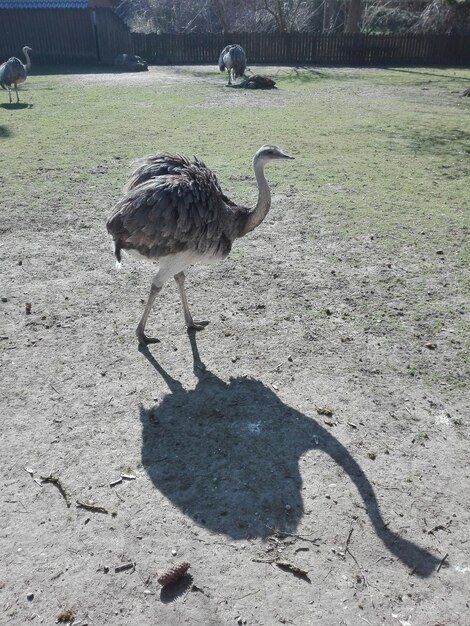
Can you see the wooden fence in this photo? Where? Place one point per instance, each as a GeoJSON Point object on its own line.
{"type": "Point", "coordinates": [57, 36]}
{"type": "Point", "coordinates": [64, 36]}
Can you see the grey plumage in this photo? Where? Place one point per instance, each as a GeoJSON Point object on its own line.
{"type": "Point", "coordinates": [171, 204]}
{"type": "Point", "coordinates": [233, 59]}
{"type": "Point", "coordinates": [13, 72]}
{"type": "Point", "coordinates": [174, 211]}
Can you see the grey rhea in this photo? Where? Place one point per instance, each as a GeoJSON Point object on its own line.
{"type": "Point", "coordinates": [233, 59]}
{"type": "Point", "coordinates": [173, 211]}
{"type": "Point", "coordinates": [14, 71]}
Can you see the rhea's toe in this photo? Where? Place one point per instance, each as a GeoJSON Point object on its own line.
{"type": "Point", "coordinates": [150, 340]}
{"type": "Point", "coordinates": [145, 339]}
{"type": "Point", "coordinates": [198, 325]}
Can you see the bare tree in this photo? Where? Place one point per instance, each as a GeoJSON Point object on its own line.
{"type": "Point", "coordinates": [230, 16]}
{"type": "Point", "coordinates": [353, 17]}
{"type": "Point", "coordinates": [234, 16]}
{"type": "Point", "coordinates": [287, 16]}
{"type": "Point", "coordinates": [330, 15]}
{"type": "Point", "coordinates": [449, 17]}
{"type": "Point", "coordinates": [137, 14]}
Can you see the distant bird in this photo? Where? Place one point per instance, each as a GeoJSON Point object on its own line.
{"type": "Point", "coordinates": [233, 59]}
{"type": "Point", "coordinates": [131, 63]}
{"type": "Point", "coordinates": [13, 72]}
{"type": "Point", "coordinates": [257, 81]}
{"type": "Point", "coordinates": [173, 211]}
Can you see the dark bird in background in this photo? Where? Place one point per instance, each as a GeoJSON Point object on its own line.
{"type": "Point", "coordinates": [173, 211]}
{"type": "Point", "coordinates": [233, 59]}
{"type": "Point", "coordinates": [14, 71]}
{"type": "Point", "coordinates": [131, 63]}
{"type": "Point", "coordinates": [257, 81]}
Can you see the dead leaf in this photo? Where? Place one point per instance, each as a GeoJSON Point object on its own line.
{"type": "Point", "coordinates": [297, 571]}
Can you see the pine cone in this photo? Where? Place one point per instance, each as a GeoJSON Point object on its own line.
{"type": "Point", "coordinates": [173, 573]}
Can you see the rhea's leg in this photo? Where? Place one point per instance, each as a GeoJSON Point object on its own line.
{"type": "Point", "coordinates": [17, 96]}
{"type": "Point", "coordinates": [229, 77]}
{"type": "Point", "coordinates": [188, 318]}
{"type": "Point", "coordinates": [155, 289]}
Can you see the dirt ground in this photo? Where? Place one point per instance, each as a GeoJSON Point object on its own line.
{"type": "Point", "coordinates": [305, 455]}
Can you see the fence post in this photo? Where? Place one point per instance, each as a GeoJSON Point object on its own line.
{"type": "Point", "coordinates": [95, 35]}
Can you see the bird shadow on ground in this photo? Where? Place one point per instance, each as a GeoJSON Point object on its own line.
{"type": "Point", "coordinates": [16, 105]}
{"type": "Point", "coordinates": [227, 455]}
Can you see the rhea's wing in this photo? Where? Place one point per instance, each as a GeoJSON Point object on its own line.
{"type": "Point", "coordinates": [161, 164]}
{"type": "Point", "coordinates": [14, 70]}
{"type": "Point", "coordinates": [170, 214]}
{"type": "Point", "coordinates": [238, 60]}
{"type": "Point", "coordinates": [3, 75]}
{"type": "Point", "coordinates": [9, 71]}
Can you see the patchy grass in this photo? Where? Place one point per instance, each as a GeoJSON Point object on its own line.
{"type": "Point", "coordinates": [379, 153]}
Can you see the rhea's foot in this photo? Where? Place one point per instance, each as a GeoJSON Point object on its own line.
{"type": "Point", "coordinates": [144, 339]}
{"type": "Point", "coordinates": [192, 325]}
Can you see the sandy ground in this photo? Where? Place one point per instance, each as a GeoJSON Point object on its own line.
{"type": "Point", "coordinates": [289, 452]}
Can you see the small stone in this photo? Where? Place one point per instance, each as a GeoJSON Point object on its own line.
{"type": "Point", "coordinates": [30, 596]}
{"type": "Point", "coordinates": [28, 308]}
{"type": "Point", "coordinates": [173, 552]}
{"type": "Point", "coordinates": [430, 345]}
{"type": "Point", "coordinates": [4, 299]}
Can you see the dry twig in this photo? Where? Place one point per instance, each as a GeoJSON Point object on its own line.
{"type": "Point", "coordinates": [91, 507]}
{"type": "Point", "coordinates": [124, 566]}
{"type": "Point", "coordinates": [347, 550]}
{"type": "Point", "coordinates": [442, 561]}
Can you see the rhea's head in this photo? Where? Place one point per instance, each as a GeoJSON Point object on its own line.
{"type": "Point", "coordinates": [267, 153]}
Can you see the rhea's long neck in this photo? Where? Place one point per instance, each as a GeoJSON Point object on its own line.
{"type": "Point", "coordinates": [28, 60]}
{"type": "Point", "coordinates": [257, 215]}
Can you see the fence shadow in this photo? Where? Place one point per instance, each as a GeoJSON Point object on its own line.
{"type": "Point", "coordinates": [434, 73]}
{"type": "Point", "coordinates": [71, 69]}
{"type": "Point", "coordinates": [227, 455]}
